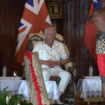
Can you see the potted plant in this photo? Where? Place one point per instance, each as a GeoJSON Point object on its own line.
{"type": "Point", "coordinates": [7, 99]}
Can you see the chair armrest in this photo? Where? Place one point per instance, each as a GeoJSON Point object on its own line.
{"type": "Point", "coordinates": [69, 65]}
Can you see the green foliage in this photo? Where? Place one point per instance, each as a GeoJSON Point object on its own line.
{"type": "Point", "coordinates": [7, 99]}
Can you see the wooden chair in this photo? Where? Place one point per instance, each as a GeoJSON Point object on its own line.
{"type": "Point", "coordinates": [33, 39]}
{"type": "Point", "coordinates": [36, 37]}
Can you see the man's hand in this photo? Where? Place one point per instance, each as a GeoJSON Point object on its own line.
{"type": "Point", "coordinates": [52, 64]}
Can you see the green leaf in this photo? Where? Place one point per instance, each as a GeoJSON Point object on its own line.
{"type": "Point", "coordinates": [14, 100]}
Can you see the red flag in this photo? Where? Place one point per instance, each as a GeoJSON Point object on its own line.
{"type": "Point", "coordinates": [35, 19]}
{"type": "Point", "coordinates": [90, 38]}
{"type": "Point", "coordinates": [90, 29]}
{"type": "Point", "coordinates": [90, 35]}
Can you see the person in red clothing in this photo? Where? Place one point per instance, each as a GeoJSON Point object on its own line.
{"type": "Point", "coordinates": [99, 21]}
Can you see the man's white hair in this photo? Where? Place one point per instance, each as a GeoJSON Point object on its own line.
{"type": "Point", "coordinates": [48, 29]}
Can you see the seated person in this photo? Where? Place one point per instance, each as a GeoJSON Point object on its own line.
{"type": "Point", "coordinates": [99, 21]}
{"type": "Point", "coordinates": [52, 55]}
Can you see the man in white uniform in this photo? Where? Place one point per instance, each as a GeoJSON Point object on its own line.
{"type": "Point", "coordinates": [52, 54]}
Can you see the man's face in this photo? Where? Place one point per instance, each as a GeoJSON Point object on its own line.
{"type": "Point", "coordinates": [50, 37]}
{"type": "Point", "coordinates": [99, 21]}
{"type": "Point", "coordinates": [103, 3]}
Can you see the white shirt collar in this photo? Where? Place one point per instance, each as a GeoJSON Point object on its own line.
{"type": "Point", "coordinates": [53, 46]}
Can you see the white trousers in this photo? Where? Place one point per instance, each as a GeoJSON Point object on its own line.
{"type": "Point", "coordinates": [57, 71]}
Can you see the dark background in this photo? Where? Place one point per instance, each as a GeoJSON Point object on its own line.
{"type": "Point", "coordinates": [10, 13]}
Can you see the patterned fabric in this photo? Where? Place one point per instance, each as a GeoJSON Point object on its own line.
{"type": "Point", "coordinates": [32, 40]}
{"type": "Point", "coordinates": [33, 74]}
{"type": "Point", "coordinates": [94, 93]}
{"type": "Point", "coordinates": [36, 37]}
{"type": "Point", "coordinates": [100, 43]}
